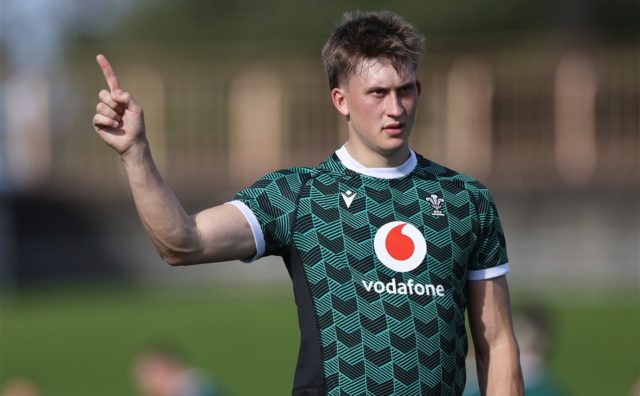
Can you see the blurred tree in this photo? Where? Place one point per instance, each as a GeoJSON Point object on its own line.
{"type": "Point", "coordinates": [301, 23]}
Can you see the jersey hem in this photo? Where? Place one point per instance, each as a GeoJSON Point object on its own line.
{"type": "Point", "coordinates": [258, 236]}
{"type": "Point", "coordinates": [489, 273]}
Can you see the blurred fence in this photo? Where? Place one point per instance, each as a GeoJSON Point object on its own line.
{"type": "Point", "coordinates": [518, 120]}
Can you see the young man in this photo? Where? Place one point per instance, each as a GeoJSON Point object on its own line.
{"type": "Point", "coordinates": [385, 248]}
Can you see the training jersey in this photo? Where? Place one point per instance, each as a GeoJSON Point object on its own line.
{"type": "Point", "coordinates": [379, 259]}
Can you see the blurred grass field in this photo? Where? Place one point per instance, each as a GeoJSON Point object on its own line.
{"type": "Point", "coordinates": [82, 342]}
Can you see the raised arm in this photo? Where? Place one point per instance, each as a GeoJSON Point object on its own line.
{"type": "Point", "coordinates": [497, 354]}
{"type": "Point", "coordinates": [215, 234]}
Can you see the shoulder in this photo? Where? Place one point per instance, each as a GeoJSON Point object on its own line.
{"type": "Point", "coordinates": [286, 182]}
{"type": "Point", "coordinates": [452, 179]}
{"type": "Point", "coordinates": [290, 173]}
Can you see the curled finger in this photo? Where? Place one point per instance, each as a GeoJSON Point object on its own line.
{"type": "Point", "coordinates": [105, 97]}
{"type": "Point", "coordinates": [101, 121]}
{"type": "Point", "coordinates": [126, 101]}
{"type": "Point", "coordinates": [104, 109]}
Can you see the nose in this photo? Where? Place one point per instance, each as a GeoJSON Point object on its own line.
{"type": "Point", "coordinates": [394, 105]}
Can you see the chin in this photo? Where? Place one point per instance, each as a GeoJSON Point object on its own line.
{"type": "Point", "coordinates": [391, 147]}
{"type": "Point", "coordinates": [389, 150]}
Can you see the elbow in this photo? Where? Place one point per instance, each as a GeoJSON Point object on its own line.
{"type": "Point", "coordinates": [179, 250]}
{"type": "Point", "coordinates": [178, 258]}
{"type": "Point", "coordinates": [504, 343]}
{"type": "Point", "coordinates": [173, 260]}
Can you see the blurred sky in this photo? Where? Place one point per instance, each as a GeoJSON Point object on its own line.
{"type": "Point", "coordinates": [34, 33]}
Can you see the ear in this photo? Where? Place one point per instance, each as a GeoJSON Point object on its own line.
{"type": "Point", "coordinates": [418, 87]}
{"type": "Point", "coordinates": [339, 101]}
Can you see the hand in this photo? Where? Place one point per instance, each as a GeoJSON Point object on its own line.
{"type": "Point", "coordinates": [119, 120]}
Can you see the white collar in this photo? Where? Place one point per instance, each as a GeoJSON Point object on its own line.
{"type": "Point", "coordinates": [382, 173]}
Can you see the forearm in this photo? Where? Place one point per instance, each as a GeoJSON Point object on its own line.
{"type": "Point", "coordinates": [499, 371]}
{"type": "Point", "coordinates": [216, 234]}
{"type": "Point", "coordinates": [172, 231]}
{"type": "Point", "coordinates": [497, 354]}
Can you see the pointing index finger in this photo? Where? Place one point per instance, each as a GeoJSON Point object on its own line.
{"type": "Point", "coordinates": [108, 72]}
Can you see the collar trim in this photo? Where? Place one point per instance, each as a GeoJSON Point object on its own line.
{"type": "Point", "coordinates": [382, 173]}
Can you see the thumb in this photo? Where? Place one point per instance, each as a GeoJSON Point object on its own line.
{"type": "Point", "coordinates": [127, 100]}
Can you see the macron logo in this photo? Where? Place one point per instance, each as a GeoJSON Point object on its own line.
{"type": "Point", "coordinates": [348, 197]}
{"type": "Point", "coordinates": [410, 287]}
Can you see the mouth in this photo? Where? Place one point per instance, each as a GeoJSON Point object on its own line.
{"type": "Point", "coordinates": [394, 128]}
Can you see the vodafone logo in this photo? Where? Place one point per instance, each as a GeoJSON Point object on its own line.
{"type": "Point", "coordinates": [400, 246]}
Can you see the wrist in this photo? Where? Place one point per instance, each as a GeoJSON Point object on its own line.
{"type": "Point", "coordinates": [139, 152]}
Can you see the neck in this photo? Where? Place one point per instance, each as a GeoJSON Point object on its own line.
{"type": "Point", "coordinates": [374, 159]}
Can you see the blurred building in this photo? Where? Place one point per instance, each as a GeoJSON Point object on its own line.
{"type": "Point", "coordinates": [519, 121]}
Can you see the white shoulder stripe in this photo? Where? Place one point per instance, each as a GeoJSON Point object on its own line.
{"type": "Point", "coordinates": [258, 237]}
{"type": "Point", "coordinates": [488, 273]}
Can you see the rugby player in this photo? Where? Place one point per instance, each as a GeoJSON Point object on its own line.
{"type": "Point", "coordinates": [386, 249]}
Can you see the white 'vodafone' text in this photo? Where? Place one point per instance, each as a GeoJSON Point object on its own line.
{"type": "Point", "coordinates": [410, 287]}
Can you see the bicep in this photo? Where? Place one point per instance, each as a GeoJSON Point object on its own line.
{"type": "Point", "coordinates": [225, 234]}
{"type": "Point", "coordinates": [489, 312]}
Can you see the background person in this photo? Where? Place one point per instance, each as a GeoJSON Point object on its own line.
{"type": "Point", "coordinates": [160, 370]}
{"type": "Point", "coordinates": [20, 387]}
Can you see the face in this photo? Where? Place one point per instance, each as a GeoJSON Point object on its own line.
{"type": "Point", "coordinates": [380, 105]}
{"type": "Point", "coordinates": [154, 375]}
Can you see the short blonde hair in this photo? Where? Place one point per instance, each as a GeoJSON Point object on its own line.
{"type": "Point", "coordinates": [362, 36]}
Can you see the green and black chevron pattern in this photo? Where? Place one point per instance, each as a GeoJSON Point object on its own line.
{"type": "Point", "coordinates": [382, 343]}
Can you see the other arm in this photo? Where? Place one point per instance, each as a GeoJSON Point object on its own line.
{"type": "Point", "coordinates": [215, 234]}
{"type": "Point", "coordinates": [497, 354]}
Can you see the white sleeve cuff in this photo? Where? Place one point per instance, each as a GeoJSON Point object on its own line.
{"type": "Point", "coordinates": [488, 273]}
{"type": "Point", "coordinates": [258, 236]}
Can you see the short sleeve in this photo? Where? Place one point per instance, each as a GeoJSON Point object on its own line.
{"type": "Point", "coordinates": [269, 206]}
{"type": "Point", "coordinates": [489, 258]}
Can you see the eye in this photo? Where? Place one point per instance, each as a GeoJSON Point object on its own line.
{"type": "Point", "coordinates": [407, 89]}
{"type": "Point", "coordinates": [378, 92]}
